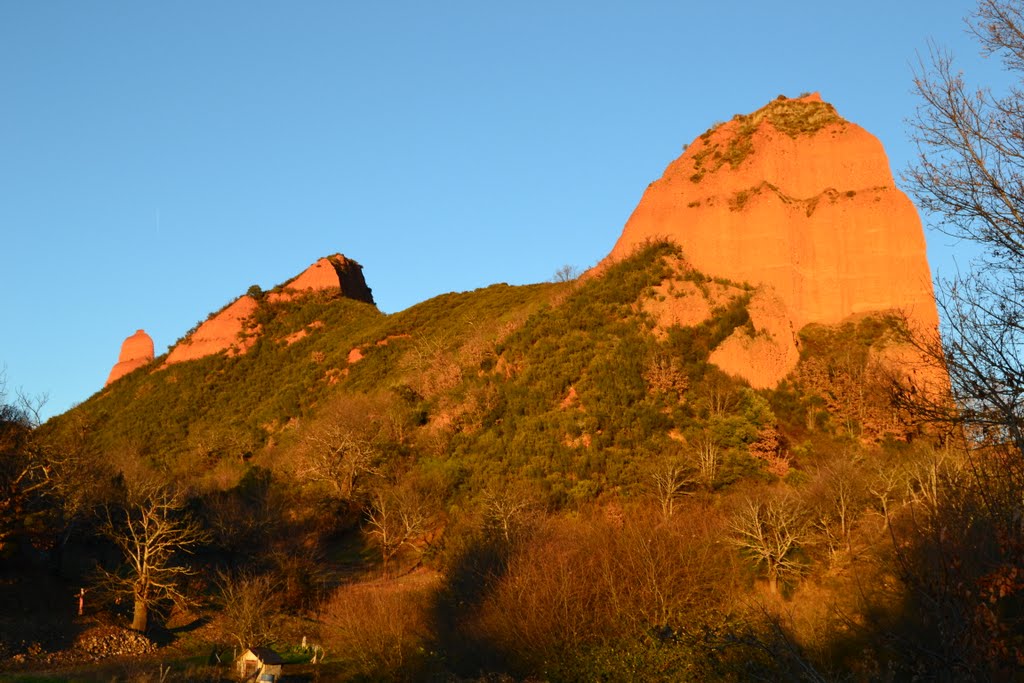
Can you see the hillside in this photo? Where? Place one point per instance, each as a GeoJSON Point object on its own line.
{"type": "Point", "coordinates": [492, 410]}
{"type": "Point", "coordinates": [663, 470]}
{"type": "Point", "coordinates": [578, 382]}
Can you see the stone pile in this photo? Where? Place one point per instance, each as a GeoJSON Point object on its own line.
{"type": "Point", "coordinates": [115, 643]}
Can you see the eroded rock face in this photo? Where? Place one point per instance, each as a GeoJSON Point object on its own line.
{"type": "Point", "coordinates": [795, 197]}
{"type": "Point", "coordinates": [335, 272]}
{"type": "Point", "coordinates": [226, 331]}
{"type": "Point", "coordinates": [136, 351]}
{"type": "Point", "coordinates": [800, 202]}
{"type": "Point", "coordinates": [765, 358]}
{"type": "Point", "coordinates": [234, 331]}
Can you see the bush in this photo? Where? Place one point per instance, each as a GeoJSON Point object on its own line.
{"type": "Point", "coordinates": [379, 627]}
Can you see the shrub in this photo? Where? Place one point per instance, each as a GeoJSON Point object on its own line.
{"type": "Point", "coordinates": [379, 626]}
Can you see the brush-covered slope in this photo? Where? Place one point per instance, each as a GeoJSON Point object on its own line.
{"type": "Point", "coordinates": [533, 442]}
{"type": "Point", "coordinates": [309, 346]}
{"type": "Point", "coordinates": [576, 386]}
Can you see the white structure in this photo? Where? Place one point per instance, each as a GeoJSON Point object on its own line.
{"type": "Point", "coordinates": [260, 664]}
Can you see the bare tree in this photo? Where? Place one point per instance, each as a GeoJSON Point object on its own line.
{"type": "Point", "coordinates": [664, 375]}
{"type": "Point", "coordinates": [337, 457]}
{"type": "Point", "coordinates": [152, 529]}
{"type": "Point", "coordinates": [838, 503]}
{"type": "Point", "coordinates": [888, 487]}
{"type": "Point", "coordinates": [25, 471]}
{"type": "Point", "coordinates": [769, 531]}
{"type": "Point", "coordinates": [508, 511]}
{"type": "Point", "coordinates": [970, 174]}
{"type": "Point", "coordinates": [670, 479]}
{"type": "Point", "coordinates": [960, 536]}
{"type": "Point", "coordinates": [709, 457]}
{"type": "Point", "coordinates": [566, 273]}
{"type": "Point", "coordinates": [435, 359]}
{"type": "Point", "coordinates": [343, 445]}
{"type": "Point", "coordinates": [250, 608]}
{"type": "Point", "coordinates": [396, 520]}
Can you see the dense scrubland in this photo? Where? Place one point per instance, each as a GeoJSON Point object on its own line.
{"type": "Point", "coordinates": [539, 482]}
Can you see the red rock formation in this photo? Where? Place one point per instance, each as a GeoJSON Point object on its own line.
{"type": "Point", "coordinates": [136, 351]}
{"type": "Point", "coordinates": [222, 332]}
{"type": "Point", "coordinates": [335, 272]}
{"type": "Point", "coordinates": [233, 329]}
{"type": "Point", "coordinates": [767, 357]}
{"type": "Point", "coordinates": [796, 199]}
{"type": "Point", "coordinates": [304, 332]}
{"type": "Point", "coordinates": [809, 207]}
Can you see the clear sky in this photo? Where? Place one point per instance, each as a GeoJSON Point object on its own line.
{"type": "Point", "coordinates": [157, 159]}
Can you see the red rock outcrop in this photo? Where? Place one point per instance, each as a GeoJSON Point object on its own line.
{"type": "Point", "coordinates": [765, 358]}
{"type": "Point", "coordinates": [335, 272]}
{"type": "Point", "coordinates": [796, 199]}
{"type": "Point", "coordinates": [303, 333]}
{"type": "Point", "coordinates": [234, 331]}
{"type": "Point", "coordinates": [136, 351]}
{"type": "Point", "coordinates": [222, 332]}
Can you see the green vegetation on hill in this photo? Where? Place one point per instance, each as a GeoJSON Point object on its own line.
{"type": "Point", "coordinates": [574, 407]}
{"type": "Point", "coordinates": [240, 401]}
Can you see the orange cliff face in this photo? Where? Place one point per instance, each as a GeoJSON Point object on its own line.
{"type": "Point", "coordinates": [234, 330]}
{"type": "Point", "coordinates": [801, 204]}
{"type": "Point", "coordinates": [136, 351]}
{"type": "Point", "coordinates": [331, 273]}
{"type": "Point", "coordinates": [794, 197]}
{"type": "Point", "coordinates": [222, 332]}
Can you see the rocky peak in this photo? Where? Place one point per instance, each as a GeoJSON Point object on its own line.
{"type": "Point", "coordinates": [136, 351]}
{"type": "Point", "coordinates": [795, 199]}
{"type": "Point", "coordinates": [234, 330]}
{"type": "Point", "coordinates": [331, 273]}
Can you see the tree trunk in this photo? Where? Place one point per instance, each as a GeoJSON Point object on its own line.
{"type": "Point", "coordinates": [140, 618]}
{"type": "Point", "coordinates": [773, 582]}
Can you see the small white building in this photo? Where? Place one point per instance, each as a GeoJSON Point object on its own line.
{"type": "Point", "coordinates": [260, 664]}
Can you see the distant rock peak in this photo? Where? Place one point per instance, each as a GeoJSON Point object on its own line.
{"type": "Point", "coordinates": [330, 273]}
{"type": "Point", "coordinates": [233, 330]}
{"type": "Point", "coordinates": [136, 351]}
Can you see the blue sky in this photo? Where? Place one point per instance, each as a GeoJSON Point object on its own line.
{"type": "Point", "coordinates": [157, 159]}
